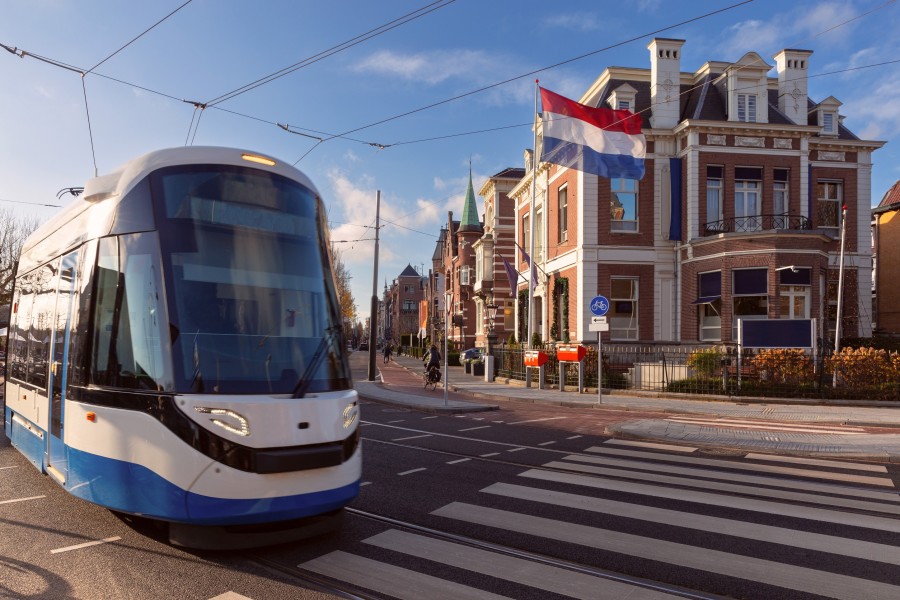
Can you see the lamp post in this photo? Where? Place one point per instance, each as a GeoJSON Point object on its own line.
{"type": "Point", "coordinates": [447, 297]}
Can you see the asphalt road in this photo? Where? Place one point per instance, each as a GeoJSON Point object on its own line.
{"type": "Point", "coordinates": [523, 502]}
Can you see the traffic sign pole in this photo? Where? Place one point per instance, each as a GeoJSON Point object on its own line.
{"type": "Point", "coordinates": [599, 367]}
{"type": "Point", "coordinates": [599, 307]}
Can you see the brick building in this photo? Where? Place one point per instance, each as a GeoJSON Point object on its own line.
{"type": "Point", "coordinates": [738, 216]}
{"type": "Point", "coordinates": [885, 242]}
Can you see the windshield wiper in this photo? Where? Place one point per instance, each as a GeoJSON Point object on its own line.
{"type": "Point", "coordinates": [315, 361]}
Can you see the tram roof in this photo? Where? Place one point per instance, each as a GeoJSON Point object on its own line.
{"type": "Point", "coordinates": [102, 194]}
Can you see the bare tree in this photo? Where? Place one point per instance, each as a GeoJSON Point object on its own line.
{"type": "Point", "coordinates": [13, 231]}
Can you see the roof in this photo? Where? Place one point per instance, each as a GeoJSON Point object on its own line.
{"type": "Point", "coordinates": [890, 201]}
{"type": "Point", "coordinates": [510, 173]}
{"type": "Point", "coordinates": [409, 272]}
{"type": "Point", "coordinates": [469, 220]}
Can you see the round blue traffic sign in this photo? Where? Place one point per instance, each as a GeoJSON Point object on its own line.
{"type": "Point", "coordinates": [599, 305]}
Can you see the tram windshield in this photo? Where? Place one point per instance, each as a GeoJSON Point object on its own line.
{"type": "Point", "coordinates": [250, 291]}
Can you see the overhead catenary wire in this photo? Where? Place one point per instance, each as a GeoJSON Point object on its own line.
{"type": "Point", "coordinates": [374, 32]}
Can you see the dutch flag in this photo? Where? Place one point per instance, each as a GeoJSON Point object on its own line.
{"type": "Point", "coordinates": [601, 141]}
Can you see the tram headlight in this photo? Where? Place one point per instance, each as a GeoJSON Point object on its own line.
{"type": "Point", "coordinates": [238, 424]}
{"type": "Point", "coordinates": [351, 414]}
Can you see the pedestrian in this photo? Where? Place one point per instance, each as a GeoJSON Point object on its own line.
{"type": "Point", "coordinates": [387, 352]}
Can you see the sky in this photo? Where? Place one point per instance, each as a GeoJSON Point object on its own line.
{"type": "Point", "coordinates": [417, 91]}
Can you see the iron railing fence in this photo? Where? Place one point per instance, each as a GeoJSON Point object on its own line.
{"type": "Point", "coordinates": [699, 369]}
{"type": "Point", "coordinates": [758, 223]}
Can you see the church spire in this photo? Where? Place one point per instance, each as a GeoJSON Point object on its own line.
{"type": "Point", "coordinates": [469, 220]}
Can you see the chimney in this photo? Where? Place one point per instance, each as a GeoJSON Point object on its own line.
{"type": "Point", "coordinates": [793, 71]}
{"type": "Point", "coordinates": [665, 82]}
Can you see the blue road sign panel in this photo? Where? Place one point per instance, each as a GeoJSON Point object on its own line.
{"type": "Point", "coordinates": [599, 306]}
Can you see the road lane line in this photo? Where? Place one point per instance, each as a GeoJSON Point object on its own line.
{"type": "Point", "coordinates": [802, 579]}
{"type": "Point", "coordinates": [574, 437]}
{"type": "Point", "coordinates": [21, 499]}
{"type": "Point", "coordinates": [564, 582]}
{"type": "Point", "coordinates": [488, 454]}
{"type": "Point", "coordinates": [395, 421]}
{"type": "Point", "coordinates": [453, 462]}
{"type": "Point", "coordinates": [231, 596]}
{"type": "Point", "coordinates": [751, 531]}
{"type": "Point", "coordinates": [650, 445]}
{"type": "Point", "coordinates": [536, 420]}
{"type": "Point", "coordinates": [412, 471]}
{"type": "Point", "coordinates": [546, 443]}
{"type": "Point", "coordinates": [12, 467]}
{"type": "Point", "coordinates": [516, 449]}
{"type": "Point", "coordinates": [474, 428]}
{"type": "Point", "coordinates": [85, 545]}
{"type": "Point", "coordinates": [412, 437]}
{"type": "Point", "coordinates": [431, 417]}
{"type": "Point", "coordinates": [387, 579]}
{"type": "Point", "coordinates": [365, 483]}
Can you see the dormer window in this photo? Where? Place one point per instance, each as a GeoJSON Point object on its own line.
{"type": "Point", "coordinates": [828, 125]}
{"type": "Point", "coordinates": [828, 116]}
{"type": "Point", "coordinates": [746, 108]}
{"type": "Point", "coordinates": [622, 98]}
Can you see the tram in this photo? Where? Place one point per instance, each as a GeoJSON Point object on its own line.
{"type": "Point", "coordinates": [176, 352]}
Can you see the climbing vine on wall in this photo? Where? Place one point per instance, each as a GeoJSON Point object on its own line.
{"type": "Point", "coordinates": [560, 301]}
{"type": "Point", "coordinates": [523, 314]}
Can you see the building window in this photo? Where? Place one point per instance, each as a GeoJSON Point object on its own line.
{"type": "Point", "coordinates": [479, 264]}
{"type": "Point", "coordinates": [830, 195]}
{"type": "Point", "coordinates": [563, 214]}
{"type": "Point", "coordinates": [710, 306]}
{"type": "Point", "coordinates": [538, 235]}
{"type": "Point", "coordinates": [780, 203]}
{"type": "Point", "coordinates": [714, 214]}
{"type": "Point", "coordinates": [746, 199]}
{"type": "Point", "coordinates": [526, 233]}
{"type": "Point", "coordinates": [746, 108]}
{"type": "Point", "coordinates": [828, 123]}
{"type": "Point", "coordinates": [794, 288]}
{"type": "Point", "coordinates": [464, 275]}
{"type": "Point", "coordinates": [623, 205]}
{"type": "Point", "coordinates": [623, 313]}
{"type": "Point", "coordinates": [750, 296]}
{"type": "Point", "coordinates": [479, 318]}
{"type": "Point", "coordinates": [409, 305]}
{"type": "Point", "coordinates": [408, 289]}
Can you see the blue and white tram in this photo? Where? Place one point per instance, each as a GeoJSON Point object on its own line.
{"type": "Point", "coordinates": [175, 350]}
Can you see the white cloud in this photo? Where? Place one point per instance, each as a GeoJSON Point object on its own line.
{"type": "Point", "coordinates": [433, 67]}
{"type": "Point", "coordinates": [750, 35]}
{"type": "Point", "coordinates": [826, 20]}
{"type": "Point", "coordinates": [877, 119]}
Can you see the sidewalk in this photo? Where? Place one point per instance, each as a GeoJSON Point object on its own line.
{"type": "Point", "coordinates": [867, 431]}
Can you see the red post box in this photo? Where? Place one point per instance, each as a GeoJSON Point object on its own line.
{"type": "Point", "coordinates": [571, 353]}
{"type": "Point", "coordinates": [535, 358]}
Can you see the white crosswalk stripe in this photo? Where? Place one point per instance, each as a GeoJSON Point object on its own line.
{"type": "Point", "coordinates": [774, 427]}
{"type": "Point", "coordinates": [741, 521]}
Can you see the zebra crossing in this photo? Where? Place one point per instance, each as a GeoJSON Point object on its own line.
{"type": "Point", "coordinates": [762, 527]}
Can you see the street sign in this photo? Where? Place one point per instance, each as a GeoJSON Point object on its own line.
{"type": "Point", "coordinates": [598, 327]}
{"type": "Point", "coordinates": [599, 305]}
{"type": "Point", "coordinates": [598, 320]}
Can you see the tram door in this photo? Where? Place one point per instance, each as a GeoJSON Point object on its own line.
{"type": "Point", "coordinates": [59, 361]}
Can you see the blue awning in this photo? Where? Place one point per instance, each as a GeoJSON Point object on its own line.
{"type": "Point", "coordinates": [706, 299]}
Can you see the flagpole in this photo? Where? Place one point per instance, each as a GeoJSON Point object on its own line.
{"type": "Point", "coordinates": [531, 217]}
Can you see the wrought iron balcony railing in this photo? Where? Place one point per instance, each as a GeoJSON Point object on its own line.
{"type": "Point", "coordinates": [758, 223]}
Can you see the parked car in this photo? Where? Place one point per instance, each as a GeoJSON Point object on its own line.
{"type": "Point", "coordinates": [364, 346]}
{"type": "Point", "coordinates": [476, 354]}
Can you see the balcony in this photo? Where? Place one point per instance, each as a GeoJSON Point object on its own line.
{"type": "Point", "coordinates": [758, 223]}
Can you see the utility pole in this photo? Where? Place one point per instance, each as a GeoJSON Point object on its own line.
{"type": "Point", "coordinates": [373, 319]}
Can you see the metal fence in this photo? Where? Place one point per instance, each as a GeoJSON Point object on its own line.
{"type": "Point", "coordinates": [851, 374]}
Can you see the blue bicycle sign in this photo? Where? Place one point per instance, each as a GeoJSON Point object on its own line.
{"type": "Point", "coordinates": [599, 306]}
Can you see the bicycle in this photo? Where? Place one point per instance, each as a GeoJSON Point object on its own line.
{"type": "Point", "coordinates": [431, 377]}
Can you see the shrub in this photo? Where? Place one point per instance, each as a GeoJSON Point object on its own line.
{"type": "Point", "coordinates": [705, 362]}
{"type": "Point", "coordinates": [784, 365]}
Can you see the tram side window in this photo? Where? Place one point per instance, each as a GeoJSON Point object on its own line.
{"type": "Point", "coordinates": [21, 326]}
{"type": "Point", "coordinates": [129, 347]}
{"type": "Point", "coordinates": [41, 326]}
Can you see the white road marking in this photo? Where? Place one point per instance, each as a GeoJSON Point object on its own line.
{"type": "Point", "coordinates": [546, 443]}
{"type": "Point", "coordinates": [489, 454]}
{"type": "Point", "coordinates": [537, 420]}
{"type": "Point", "coordinates": [365, 483]}
{"type": "Point", "coordinates": [453, 462]}
{"type": "Point", "coordinates": [390, 580]}
{"type": "Point", "coordinates": [21, 499]}
{"type": "Point", "coordinates": [650, 445]}
{"type": "Point", "coordinates": [412, 471]}
{"type": "Point", "coordinates": [818, 462]}
{"type": "Point", "coordinates": [396, 421]}
{"type": "Point", "coordinates": [85, 545]}
{"type": "Point", "coordinates": [525, 572]}
{"type": "Point", "coordinates": [574, 437]}
{"type": "Point", "coordinates": [826, 515]}
{"type": "Point", "coordinates": [11, 467]}
{"type": "Point", "coordinates": [431, 417]}
{"type": "Point", "coordinates": [751, 531]}
{"type": "Point", "coordinates": [738, 466]}
{"type": "Point", "coordinates": [412, 437]}
{"type": "Point", "coordinates": [815, 426]}
{"type": "Point", "coordinates": [756, 426]}
{"type": "Point", "coordinates": [779, 574]}
{"type": "Point", "coordinates": [231, 596]}
{"type": "Point", "coordinates": [474, 428]}
{"type": "Point", "coordinates": [516, 449]}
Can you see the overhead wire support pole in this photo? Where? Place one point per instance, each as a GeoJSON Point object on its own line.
{"type": "Point", "coordinates": [373, 315]}
{"type": "Point", "coordinates": [531, 271]}
{"type": "Point", "coordinates": [840, 292]}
